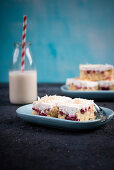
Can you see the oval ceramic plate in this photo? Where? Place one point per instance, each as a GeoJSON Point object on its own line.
{"type": "Point", "coordinates": [25, 112]}
{"type": "Point", "coordinates": [99, 95]}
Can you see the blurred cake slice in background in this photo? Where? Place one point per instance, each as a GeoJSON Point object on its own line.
{"type": "Point", "coordinates": [81, 85]}
{"type": "Point", "coordinates": [96, 72]}
{"type": "Point", "coordinates": [106, 85]}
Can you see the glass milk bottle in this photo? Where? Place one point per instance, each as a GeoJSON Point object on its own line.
{"type": "Point", "coordinates": [22, 84]}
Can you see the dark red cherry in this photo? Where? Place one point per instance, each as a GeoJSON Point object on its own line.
{"type": "Point", "coordinates": [88, 71]}
{"type": "Point", "coordinates": [105, 88]}
{"type": "Point", "coordinates": [82, 111]}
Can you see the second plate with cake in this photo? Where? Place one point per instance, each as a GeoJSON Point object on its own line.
{"type": "Point", "coordinates": [95, 95]}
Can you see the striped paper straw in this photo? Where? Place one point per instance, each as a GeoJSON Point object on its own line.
{"type": "Point", "coordinates": [23, 43]}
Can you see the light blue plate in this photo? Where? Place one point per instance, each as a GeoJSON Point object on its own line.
{"type": "Point", "coordinates": [25, 112]}
{"type": "Point", "coordinates": [94, 95]}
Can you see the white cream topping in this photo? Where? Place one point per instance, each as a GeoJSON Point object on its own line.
{"type": "Point", "coordinates": [48, 102]}
{"type": "Point", "coordinates": [106, 83]}
{"type": "Point", "coordinates": [70, 110]}
{"type": "Point", "coordinates": [96, 67]}
{"type": "Point", "coordinates": [66, 104]}
{"type": "Point", "coordinates": [43, 106]}
{"type": "Point", "coordinates": [81, 83]}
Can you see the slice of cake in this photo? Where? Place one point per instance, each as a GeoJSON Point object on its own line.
{"type": "Point", "coordinates": [65, 108]}
{"type": "Point", "coordinates": [96, 72]}
{"type": "Point", "coordinates": [81, 85]}
{"type": "Point", "coordinates": [106, 85]}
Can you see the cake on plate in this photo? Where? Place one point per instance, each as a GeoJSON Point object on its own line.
{"type": "Point", "coordinates": [96, 72]}
{"type": "Point", "coordinates": [64, 108]}
{"type": "Point", "coordinates": [81, 85]}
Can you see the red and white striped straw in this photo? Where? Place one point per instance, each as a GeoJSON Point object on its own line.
{"type": "Point", "coordinates": [23, 43]}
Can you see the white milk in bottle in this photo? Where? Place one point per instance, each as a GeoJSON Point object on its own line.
{"type": "Point", "coordinates": [22, 86]}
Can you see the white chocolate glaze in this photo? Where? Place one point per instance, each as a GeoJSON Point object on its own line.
{"type": "Point", "coordinates": [95, 67]}
{"type": "Point", "coordinates": [81, 83]}
{"type": "Point", "coordinates": [106, 83]}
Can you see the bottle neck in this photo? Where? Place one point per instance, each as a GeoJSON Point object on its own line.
{"type": "Point", "coordinates": [19, 44]}
{"type": "Point", "coordinates": [29, 61]}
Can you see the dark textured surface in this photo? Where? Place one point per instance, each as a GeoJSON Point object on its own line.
{"type": "Point", "coordinates": [29, 146]}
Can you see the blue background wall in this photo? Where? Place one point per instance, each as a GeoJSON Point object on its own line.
{"type": "Point", "coordinates": [64, 33]}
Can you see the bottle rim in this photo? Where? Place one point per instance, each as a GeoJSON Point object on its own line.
{"type": "Point", "coordinates": [18, 44]}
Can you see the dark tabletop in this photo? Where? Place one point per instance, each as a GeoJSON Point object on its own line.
{"type": "Point", "coordinates": [32, 147]}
